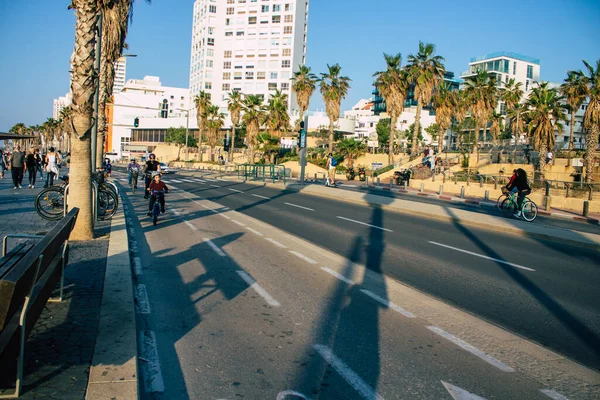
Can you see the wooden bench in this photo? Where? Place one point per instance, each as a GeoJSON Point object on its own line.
{"type": "Point", "coordinates": [29, 274]}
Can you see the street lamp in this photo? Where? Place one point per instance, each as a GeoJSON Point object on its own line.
{"type": "Point", "coordinates": [187, 129]}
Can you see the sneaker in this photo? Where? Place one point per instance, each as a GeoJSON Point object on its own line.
{"type": "Point", "coordinates": [15, 188]}
{"type": "Point", "coordinates": [20, 186]}
{"type": "Point", "coordinates": [33, 186]}
{"type": "Point", "coordinates": [29, 186]}
{"type": "Point", "coordinates": [517, 214]}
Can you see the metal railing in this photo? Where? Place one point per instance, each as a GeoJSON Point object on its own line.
{"type": "Point", "coordinates": [262, 172]}
{"type": "Point", "coordinates": [590, 191]}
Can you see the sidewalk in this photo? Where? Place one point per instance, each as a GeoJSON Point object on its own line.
{"type": "Point", "coordinates": [58, 353]}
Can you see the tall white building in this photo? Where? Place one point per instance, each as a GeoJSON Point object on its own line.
{"type": "Point", "coordinates": [252, 46]}
{"type": "Point", "coordinates": [120, 74]}
{"type": "Point", "coordinates": [60, 103]}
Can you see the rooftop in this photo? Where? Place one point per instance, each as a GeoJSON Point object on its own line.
{"type": "Point", "coordinates": [508, 54]}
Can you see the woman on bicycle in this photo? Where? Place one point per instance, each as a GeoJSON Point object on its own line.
{"type": "Point", "coordinates": [522, 185]}
{"type": "Point", "coordinates": [157, 186]}
{"type": "Point", "coordinates": [151, 166]}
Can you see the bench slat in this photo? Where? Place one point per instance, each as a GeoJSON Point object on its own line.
{"type": "Point", "coordinates": [13, 257]}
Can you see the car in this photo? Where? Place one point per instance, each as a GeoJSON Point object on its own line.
{"type": "Point", "coordinates": [165, 168]}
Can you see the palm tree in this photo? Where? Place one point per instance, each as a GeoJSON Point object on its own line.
{"type": "Point", "coordinates": [511, 94]}
{"type": "Point", "coordinates": [334, 88]}
{"type": "Point", "coordinates": [64, 125]}
{"type": "Point", "coordinates": [202, 101]}
{"type": "Point", "coordinates": [425, 71]}
{"type": "Point", "coordinates": [497, 126]}
{"type": "Point", "coordinates": [574, 90]}
{"type": "Point", "coordinates": [304, 84]}
{"type": "Point", "coordinates": [444, 101]}
{"type": "Point", "coordinates": [459, 112]}
{"type": "Point", "coordinates": [351, 149]}
{"type": "Point", "coordinates": [392, 84]}
{"type": "Point", "coordinates": [19, 129]}
{"type": "Point", "coordinates": [49, 129]}
{"type": "Point", "coordinates": [235, 104]}
{"type": "Point", "coordinates": [591, 119]}
{"type": "Point", "coordinates": [544, 111]}
{"type": "Point", "coordinates": [277, 118]}
{"type": "Point", "coordinates": [481, 95]}
{"type": "Point", "coordinates": [214, 122]}
{"type": "Point", "coordinates": [268, 144]}
{"type": "Point", "coordinates": [517, 122]}
{"type": "Point", "coordinates": [254, 112]}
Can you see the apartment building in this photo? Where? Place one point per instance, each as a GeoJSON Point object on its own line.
{"type": "Point", "coordinates": [120, 74]}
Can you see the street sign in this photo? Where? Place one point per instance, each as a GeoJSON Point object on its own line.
{"type": "Point", "coordinates": [302, 138]}
{"type": "Point", "coordinates": [373, 143]}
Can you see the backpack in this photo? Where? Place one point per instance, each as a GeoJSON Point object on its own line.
{"type": "Point", "coordinates": [333, 162]}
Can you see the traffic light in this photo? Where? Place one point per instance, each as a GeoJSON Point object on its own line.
{"type": "Point", "coordinates": [136, 122]}
{"type": "Point", "coordinates": [225, 144]}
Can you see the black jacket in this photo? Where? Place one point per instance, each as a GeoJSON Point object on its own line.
{"type": "Point", "coordinates": [520, 183]}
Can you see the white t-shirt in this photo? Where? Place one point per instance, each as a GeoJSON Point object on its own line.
{"type": "Point", "coordinates": [549, 155]}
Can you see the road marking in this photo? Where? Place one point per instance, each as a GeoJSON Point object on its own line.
{"type": "Point", "coordinates": [150, 363]}
{"type": "Point", "coordinates": [553, 394]}
{"type": "Point", "coordinates": [276, 243]}
{"type": "Point", "coordinates": [235, 190]}
{"type": "Point", "coordinates": [175, 211]}
{"type": "Point", "coordinates": [460, 393]}
{"type": "Point", "coordinates": [199, 180]}
{"type": "Point", "coordinates": [208, 208]}
{"type": "Point", "coordinates": [215, 186]}
{"type": "Point", "coordinates": [132, 232]}
{"type": "Point", "coordinates": [345, 372]}
{"type": "Point", "coordinates": [339, 276]}
{"type": "Point", "coordinates": [254, 231]}
{"type": "Point", "coordinates": [364, 223]}
{"type": "Point", "coordinates": [123, 179]}
{"type": "Point", "coordinates": [239, 223]}
{"type": "Point", "coordinates": [174, 180]}
{"type": "Point", "coordinates": [187, 180]}
{"type": "Point", "coordinates": [295, 205]}
{"type": "Point", "coordinates": [258, 289]}
{"type": "Point", "coordinates": [173, 187]}
{"type": "Point", "coordinates": [133, 246]}
{"type": "Point", "coordinates": [215, 247]}
{"type": "Point", "coordinates": [261, 197]}
{"type": "Point", "coordinates": [295, 395]}
{"type": "Point", "coordinates": [302, 256]}
{"type": "Point", "coordinates": [471, 349]}
{"type": "Point", "coordinates": [482, 256]}
{"type": "Point", "coordinates": [137, 266]}
{"type": "Point", "coordinates": [388, 304]}
{"type": "Point", "coordinates": [224, 216]}
{"type": "Point", "coordinates": [192, 227]}
{"type": "Point", "coordinates": [141, 299]}
{"type": "Point", "coordinates": [211, 180]}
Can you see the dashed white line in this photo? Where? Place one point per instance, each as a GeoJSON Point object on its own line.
{"type": "Point", "coordinates": [258, 289]}
{"type": "Point", "coordinates": [350, 376]}
{"type": "Point", "coordinates": [141, 299]}
{"type": "Point", "coordinates": [302, 256]}
{"type": "Point", "coordinates": [471, 349]}
{"type": "Point", "coordinates": [123, 179]}
{"type": "Point", "coordinates": [199, 180]}
{"type": "Point", "coordinates": [297, 206]}
{"type": "Point", "coordinates": [173, 187]}
{"type": "Point", "coordinates": [215, 186]}
{"type": "Point", "coordinates": [364, 223]}
{"type": "Point", "coordinates": [137, 266]}
{"type": "Point", "coordinates": [224, 216]}
{"type": "Point", "coordinates": [482, 256]}
{"type": "Point", "coordinates": [188, 180]}
{"type": "Point", "coordinates": [339, 276]}
{"type": "Point", "coordinates": [276, 243]}
{"type": "Point", "coordinates": [150, 365]}
{"type": "Point", "coordinates": [235, 190]}
{"type": "Point", "coordinates": [239, 223]}
{"type": "Point", "coordinates": [208, 208]}
{"type": "Point", "coordinates": [261, 197]}
{"type": "Point", "coordinates": [388, 304]}
{"type": "Point", "coordinates": [553, 394]}
{"type": "Point", "coordinates": [254, 231]}
{"type": "Point", "coordinates": [215, 248]}
{"type": "Point", "coordinates": [175, 180]}
{"type": "Point", "coordinates": [192, 227]}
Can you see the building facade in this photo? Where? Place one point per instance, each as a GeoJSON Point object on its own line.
{"type": "Point", "coordinates": [120, 74]}
{"type": "Point", "coordinates": [60, 103]}
{"type": "Point", "coordinates": [249, 46]}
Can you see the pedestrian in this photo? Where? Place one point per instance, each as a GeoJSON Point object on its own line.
{"type": "Point", "coordinates": [17, 165]}
{"type": "Point", "coordinates": [39, 163]}
{"type": "Point", "coordinates": [2, 164]}
{"type": "Point", "coordinates": [51, 167]}
{"type": "Point", "coordinates": [31, 167]}
{"type": "Point", "coordinates": [108, 167]}
{"type": "Point", "coordinates": [331, 166]}
{"type": "Point", "coordinates": [549, 156]}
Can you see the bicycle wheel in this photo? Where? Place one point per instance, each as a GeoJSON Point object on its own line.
{"type": "Point", "coordinates": [49, 203]}
{"type": "Point", "coordinates": [507, 207]}
{"type": "Point", "coordinates": [529, 211]}
{"type": "Point", "coordinates": [107, 204]}
{"type": "Point", "coordinates": [500, 200]}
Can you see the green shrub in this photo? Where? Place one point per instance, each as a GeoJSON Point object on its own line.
{"type": "Point", "coordinates": [383, 170]}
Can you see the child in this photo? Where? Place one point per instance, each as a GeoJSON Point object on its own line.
{"type": "Point", "coordinates": [156, 187]}
{"type": "Point", "coordinates": [108, 167]}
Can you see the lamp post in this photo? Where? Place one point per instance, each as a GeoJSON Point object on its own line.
{"type": "Point", "coordinates": [187, 130]}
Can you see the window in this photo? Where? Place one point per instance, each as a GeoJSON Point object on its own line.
{"type": "Point", "coordinates": [226, 87]}
{"type": "Point", "coordinates": [249, 75]}
{"type": "Point", "coordinates": [285, 75]}
{"type": "Point", "coordinates": [230, 1]}
{"type": "Point", "coordinates": [289, 18]}
{"type": "Point", "coordinates": [230, 33]}
{"type": "Point", "coordinates": [227, 65]}
{"type": "Point", "coordinates": [285, 64]}
{"type": "Point", "coordinates": [287, 52]}
{"type": "Point", "coordinates": [530, 72]}
{"type": "Point", "coordinates": [210, 42]}
{"type": "Point", "coordinates": [273, 75]}
{"type": "Point", "coordinates": [229, 11]}
{"type": "Point", "coordinates": [211, 30]}
{"type": "Point", "coordinates": [287, 30]}
{"type": "Point", "coordinates": [526, 85]}
{"type": "Point", "coordinates": [264, 8]}
{"type": "Point", "coordinates": [227, 54]}
{"type": "Point", "coordinates": [260, 75]}
{"type": "Point", "coordinates": [208, 85]}
{"type": "Point", "coordinates": [210, 52]}
{"type": "Point", "coordinates": [289, 7]}
{"type": "Point", "coordinates": [252, 20]}
{"type": "Point", "coordinates": [209, 63]}
{"type": "Point", "coordinates": [239, 33]}
{"type": "Point", "coordinates": [276, 7]}
{"type": "Point", "coordinates": [275, 42]}
{"type": "Point", "coordinates": [272, 86]}
{"type": "Point", "coordinates": [514, 68]}
{"type": "Point", "coordinates": [237, 76]}
{"type": "Point", "coordinates": [227, 21]}
{"type": "Point", "coordinates": [212, 9]}
{"type": "Point", "coordinates": [249, 66]}
{"type": "Point", "coordinates": [276, 19]}
{"type": "Point", "coordinates": [226, 76]}
{"type": "Point", "coordinates": [285, 86]}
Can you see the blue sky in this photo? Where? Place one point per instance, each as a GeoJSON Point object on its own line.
{"type": "Point", "coordinates": [36, 41]}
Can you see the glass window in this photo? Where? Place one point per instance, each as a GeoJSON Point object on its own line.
{"type": "Point", "coordinates": [276, 19]}
{"type": "Point", "coordinates": [226, 76]}
{"type": "Point", "coordinates": [272, 85]}
{"type": "Point", "coordinates": [226, 87]}
{"type": "Point", "coordinates": [264, 8]}
{"type": "Point", "coordinates": [273, 75]}
{"type": "Point", "coordinates": [530, 72]}
{"type": "Point", "coordinates": [212, 9]}
{"type": "Point", "coordinates": [514, 67]}
{"type": "Point", "coordinates": [285, 64]}
{"type": "Point", "coordinates": [252, 20]}
{"type": "Point", "coordinates": [276, 7]}
{"type": "Point", "coordinates": [249, 75]}
{"type": "Point", "coordinates": [289, 18]}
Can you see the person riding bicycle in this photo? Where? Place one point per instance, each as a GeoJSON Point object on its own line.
{"type": "Point", "coordinates": [157, 186]}
{"type": "Point", "coordinates": [132, 166]}
{"type": "Point", "coordinates": [522, 185]}
{"type": "Point", "coordinates": [151, 166]}
{"type": "Point", "coordinates": [505, 189]}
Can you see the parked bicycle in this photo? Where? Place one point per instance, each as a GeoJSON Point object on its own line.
{"type": "Point", "coordinates": [509, 207]}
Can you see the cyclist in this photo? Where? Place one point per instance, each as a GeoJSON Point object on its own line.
{"type": "Point", "coordinates": [522, 185]}
{"type": "Point", "coordinates": [133, 166]}
{"type": "Point", "coordinates": [155, 187]}
{"type": "Point", "coordinates": [151, 166]}
{"type": "Point", "coordinates": [512, 179]}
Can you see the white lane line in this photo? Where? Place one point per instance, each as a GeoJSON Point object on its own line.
{"type": "Point", "coordinates": [235, 190]}
{"type": "Point", "coordinates": [215, 186]}
{"type": "Point", "coordinates": [482, 256]}
{"type": "Point", "coordinates": [192, 227]}
{"type": "Point", "coordinates": [224, 216]}
{"type": "Point", "coordinates": [239, 223]}
{"type": "Point", "coordinates": [208, 208]}
{"type": "Point", "coordinates": [187, 180]}
{"type": "Point", "coordinates": [215, 247]}
{"type": "Point", "coordinates": [137, 266]}
{"type": "Point", "coordinates": [123, 179]}
{"type": "Point", "coordinates": [295, 205]}
{"type": "Point", "coordinates": [388, 304]}
{"type": "Point", "coordinates": [339, 276]}
{"type": "Point", "coordinates": [150, 363]}
{"type": "Point", "coordinates": [302, 256]}
{"type": "Point", "coordinates": [211, 180]}
{"type": "Point", "coordinates": [199, 180]}
{"type": "Point", "coordinates": [276, 243]}
{"type": "Point", "coordinates": [174, 180]}
{"type": "Point", "coordinates": [350, 376]}
{"type": "Point", "coordinates": [471, 349]}
{"type": "Point", "coordinates": [261, 197]}
{"type": "Point", "coordinates": [175, 212]}
{"type": "Point", "coordinates": [141, 299]}
{"type": "Point", "coordinates": [364, 223]}
{"type": "Point", "coordinates": [258, 289]}
{"type": "Point", "coordinates": [553, 394]}
{"type": "Point", "coordinates": [254, 231]}
{"type": "Point", "coordinates": [173, 187]}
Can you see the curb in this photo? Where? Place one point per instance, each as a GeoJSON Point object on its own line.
{"type": "Point", "coordinates": [113, 373]}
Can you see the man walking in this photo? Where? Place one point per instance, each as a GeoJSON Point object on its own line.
{"type": "Point", "coordinates": [17, 164]}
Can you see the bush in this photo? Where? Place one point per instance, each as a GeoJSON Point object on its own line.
{"type": "Point", "coordinates": [383, 170]}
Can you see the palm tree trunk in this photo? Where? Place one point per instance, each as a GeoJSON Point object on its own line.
{"type": "Point", "coordinates": [476, 139]}
{"type": "Point", "coordinates": [330, 135]}
{"type": "Point", "coordinates": [83, 89]}
{"type": "Point", "coordinates": [230, 156]}
{"type": "Point", "coordinates": [441, 140]}
{"type": "Point", "coordinates": [542, 160]}
{"type": "Point", "coordinates": [392, 140]}
{"type": "Point", "coordinates": [591, 142]}
{"type": "Point", "coordinates": [414, 146]}
{"type": "Point", "coordinates": [571, 134]}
